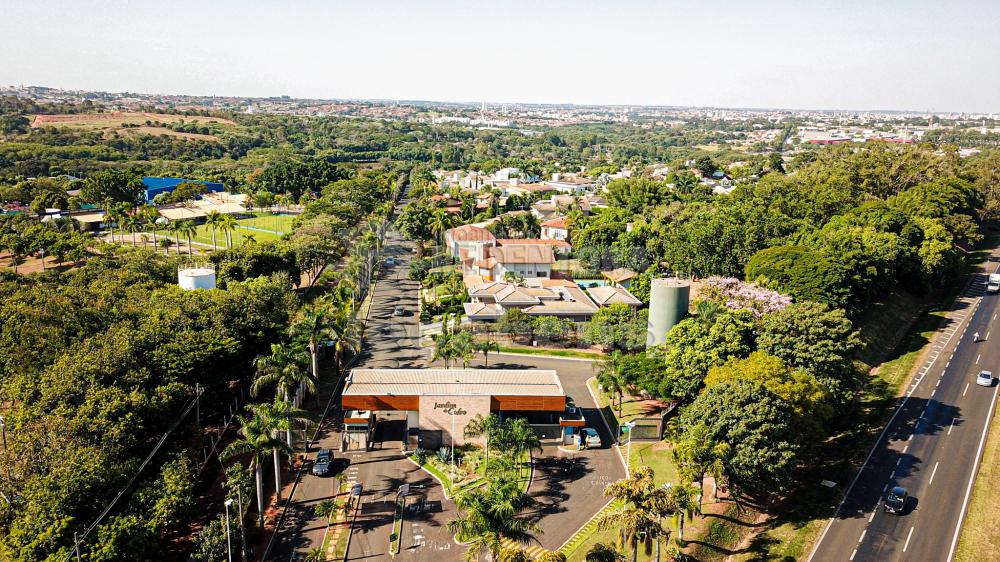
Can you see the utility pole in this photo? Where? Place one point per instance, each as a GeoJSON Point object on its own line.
{"type": "Point", "coordinates": [243, 540]}
{"type": "Point", "coordinates": [229, 543]}
{"type": "Point", "coordinates": [197, 403]}
{"type": "Point", "coordinates": [76, 546]}
{"type": "Point", "coordinates": [6, 453]}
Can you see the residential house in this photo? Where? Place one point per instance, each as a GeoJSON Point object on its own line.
{"type": "Point", "coordinates": [555, 229]}
{"type": "Point", "coordinates": [612, 294]}
{"type": "Point", "coordinates": [558, 205]}
{"type": "Point", "coordinates": [620, 277]}
{"type": "Point", "coordinates": [464, 241]}
{"type": "Point", "coordinates": [492, 262]}
{"type": "Point", "coordinates": [541, 297]}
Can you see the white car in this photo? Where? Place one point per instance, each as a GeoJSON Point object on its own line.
{"type": "Point", "coordinates": [984, 378]}
{"type": "Point", "coordinates": [592, 440]}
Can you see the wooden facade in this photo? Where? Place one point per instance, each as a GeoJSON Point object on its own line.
{"type": "Point", "coordinates": [353, 402]}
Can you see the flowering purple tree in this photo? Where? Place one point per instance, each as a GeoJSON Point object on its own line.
{"type": "Point", "coordinates": [737, 295]}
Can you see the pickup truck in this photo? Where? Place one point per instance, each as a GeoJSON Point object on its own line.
{"type": "Point", "coordinates": [993, 285]}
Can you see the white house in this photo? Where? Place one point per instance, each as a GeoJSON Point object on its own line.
{"type": "Point", "coordinates": [555, 229]}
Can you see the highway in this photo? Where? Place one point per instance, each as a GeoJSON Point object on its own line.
{"type": "Point", "coordinates": [931, 447]}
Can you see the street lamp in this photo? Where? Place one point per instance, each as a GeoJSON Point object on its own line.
{"type": "Point", "coordinates": [229, 544]}
{"type": "Point", "coordinates": [243, 541]}
{"type": "Point", "coordinates": [627, 428]}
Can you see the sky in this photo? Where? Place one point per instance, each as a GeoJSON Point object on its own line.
{"type": "Point", "coordinates": [797, 54]}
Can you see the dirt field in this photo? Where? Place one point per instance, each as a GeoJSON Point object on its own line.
{"type": "Point", "coordinates": [116, 119]}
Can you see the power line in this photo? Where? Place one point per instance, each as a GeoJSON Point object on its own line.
{"type": "Point", "coordinates": [77, 541]}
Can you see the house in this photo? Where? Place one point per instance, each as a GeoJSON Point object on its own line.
{"type": "Point", "coordinates": [557, 205]}
{"type": "Point", "coordinates": [620, 277]}
{"type": "Point", "coordinates": [560, 247]}
{"type": "Point", "coordinates": [571, 185]}
{"type": "Point", "coordinates": [538, 298]}
{"type": "Point", "coordinates": [612, 294]}
{"type": "Point", "coordinates": [555, 229]}
{"type": "Point", "coordinates": [492, 262]}
{"type": "Point", "coordinates": [463, 241]}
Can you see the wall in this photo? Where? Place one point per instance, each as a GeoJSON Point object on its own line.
{"type": "Point", "coordinates": [438, 418]}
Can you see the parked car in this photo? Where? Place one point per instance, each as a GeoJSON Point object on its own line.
{"type": "Point", "coordinates": [592, 440]}
{"type": "Point", "coordinates": [984, 378]}
{"type": "Point", "coordinates": [390, 261]}
{"type": "Point", "coordinates": [398, 310]}
{"type": "Point", "coordinates": [324, 462]}
{"type": "Point", "coordinates": [895, 500]}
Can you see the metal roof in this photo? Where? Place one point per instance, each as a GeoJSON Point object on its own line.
{"type": "Point", "coordinates": [453, 382]}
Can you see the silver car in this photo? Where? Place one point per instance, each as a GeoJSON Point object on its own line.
{"type": "Point", "coordinates": [984, 378]}
{"type": "Point", "coordinates": [592, 440]}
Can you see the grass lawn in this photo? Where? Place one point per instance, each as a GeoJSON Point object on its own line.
{"type": "Point", "coordinates": [656, 455]}
{"type": "Point", "coordinates": [979, 540]}
{"type": "Point", "coordinates": [553, 352]}
{"type": "Point", "coordinates": [262, 226]}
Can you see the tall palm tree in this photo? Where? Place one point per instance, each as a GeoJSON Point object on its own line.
{"type": "Point", "coordinates": [639, 520]}
{"type": "Point", "coordinates": [521, 437]}
{"type": "Point", "coordinates": [440, 222]}
{"type": "Point", "coordinates": [112, 215]}
{"type": "Point", "coordinates": [345, 331]}
{"type": "Point", "coordinates": [174, 227]}
{"type": "Point", "coordinates": [680, 501]}
{"type": "Point", "coordinates": [698, 454]}
{"type": "Point", "coordinates": [313, 327]}
{"type": "Point", "coordinates": [188, 229]}
{"type": "Point", "coordinates": [131, 224]}
{"type": "Point", "coordinates": [284, 369]}
{"type": "Point", "coordinates": [227, 225]}
{"type": "Point", "coordinates": [280, 416]}
{"type": "Point", "coordinates": [487, 427]}
{"type": "Point", "coordinates": [258, 440]}
{"type": "Point", "coordinates": [149, 215]}
{"type": "Point", "coordinates": [488, 516]}
{"type": "Point", "coordinates": [611, 377]}
{"type": "Point", "coordinates": [213, 221]}
{"type": "Point", "coordinates": [485, 347]}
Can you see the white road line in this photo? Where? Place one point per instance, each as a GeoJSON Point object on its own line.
{"type": "Point", "coordinates": [987, 336]}
{"type": "Point", "coordinates": [966, 389]}
{"type": "Point", "coordinates": [994, 316]}
{"type": "Point", "coordinates": [951, 425]}
{"type": "Point", "coordinates": [977, 358]}
{"type": "Point", "coordinates": [946, 364]}
{"type": "Point", "coordinates": [899, 460]}
{"type": "Point", "coordinates": [853, 553]}
{"type": "Point", "coordinates": [886, 487]}
{"type": "Point", "coordinates": [862, 535]}
{"type": "Point", "coordinates": [937, 384]}
{"type": "Point", "coordinates": [932, 393]}
{"type": "Point", "coordinates": [933, 472]}
{"type": "Point", "coordinates": [872, 516]}
{"type": "Point", "coordinates": [910, 438]}
{"type": "Point", "coordinates": [907, 543]}
{"type": "Point", "coordinates": [892, 475]}
{"type": "Point", "coordinates": [972, 476]}
{"type": "Point", "coordinates": [905, 448]}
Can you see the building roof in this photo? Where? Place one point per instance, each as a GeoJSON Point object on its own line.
{"type": "Point", "coordinates": [572, 301]}
{"type": "Point", "coordinates": [88, 218]}
{"type": "Point", "coordinates": [470, 233]}
{"type": "Point", "coordinates": [453, 382]}
{"type": "Point", "coordinates": [556, 223]}
{"type": "Point", "coordinates": [481, 310]}
{"type": "Point", "coordinates": [620, 274]}
{"type": "Point", "coordinates": [512, 294]}
{"type": "Point", "coordinates": [523, 241]}
{"type": "Point", "coordinates": [523, 253]}
{"type": "Point", "coordinates": [610, 294]}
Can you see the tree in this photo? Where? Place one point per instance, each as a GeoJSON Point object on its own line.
{"type": "Point", "coordinates": [149, 215]}
{"type": "Point", "coordinates": [113, 186]}
{"type": "Point", "coordinates": [811, 336]}
{"type": "Point", "coordinates": [617, 326]}
{"type": "Point", "coordinates": [315, 324]}
{"type": "Point", "coordinates": [188, 229]}
{"type": "Point", "coordinates": [515, 321]}
{"type": "Point", "coordinates": [318, 242]}
{"type": "Point", "coordinates": [697, 454]}
{"type": "Point", "coordinates": [601, 552]}
{"type": "Point", "coordinates": [611, 377]}
{"type": "Point", "coordinates": [214, 221]}
{"type": "Point", "coordinates": [644, 504]}
{"type": "Point", "coordinates": [636, 194]}
{"type": "Point", "coordinates": [175, 228]}
{"type": "Point", "coordinates": [227, 225]}
{"type": "Point", "coordinates": [758, 426]}
{"type": "Point", "coordinates": [285, 369]}
{"type": "Point", "coordinates": [279, 416]}
{"type": "Point", "coordinates": [488, 516]}
{"type": "Point", "coordinates": [258, 441]}
{"type": "Point", "coordinates": [485, 347]}
{"type": "Point", "coordinates": [803, 273]}
{"type": "Point", "coordinates": [486, 427]}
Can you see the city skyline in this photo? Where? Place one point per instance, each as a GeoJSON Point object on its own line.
{"type": "Point", "coordinates": [897, 56]}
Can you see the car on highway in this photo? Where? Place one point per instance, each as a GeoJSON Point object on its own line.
{"type": "Point", "coordinates": [324, 462]}
{"type": "Point", "coordinates": [398, 310]}
{"type": "Point", "coordinates": [895, 500]}
{"type": "Point", "coordinates": [984, 378]}
{"type": "Point", "coordinates": [591, 438]}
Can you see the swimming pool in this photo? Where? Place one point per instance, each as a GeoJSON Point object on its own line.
{"type": "Point", "coordinates": [587, 283]}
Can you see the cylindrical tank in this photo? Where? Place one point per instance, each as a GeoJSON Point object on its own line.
{"type": "Point", "coordinates": [668, 305]}
{"type": "Point", "coordinates": [196, 278]}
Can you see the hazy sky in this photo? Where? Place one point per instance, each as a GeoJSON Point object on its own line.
{"type": "Point", "coordinates": [835, 54]}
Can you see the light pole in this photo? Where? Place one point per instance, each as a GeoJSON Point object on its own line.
{"type": "Point", "coordinates": [453, 447]}
{"type": "Point", "coordinates": [243, 542]}
{"type": "Point", "coordinates": [229, 543]}
{"type": "Point", "coordinates": [627, 428]}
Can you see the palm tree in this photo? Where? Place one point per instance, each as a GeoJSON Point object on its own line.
{"type": "Point", "coordinates": [188, 229]}
{"type": "Point", "coordinates": [258, 441]}
{"type": "Point", "coordinates": [174, 227]}
{"type": "Point", "coordinates": [485, 347]}
{"type": "Point", "coordinates": [611, 378]}
{"type": "Point", "coordinates": [149, 215]}
{"type": "Point", "coordinates": [442, 346]}
{"type": "Point", "coordinates": [639, 520]}
{"type": "Point", "coordinates": [227, 225]}
{"type": "Point", "coordinates": [213, 221]}
{"type": "Point", "coordinates": [280, 416]}
{"type": "Point", "coordinates": [439, 223]}
{"type": "Point", "coordinates": [284, 369]}
{"type": "Point", "coordinates": [112, 215]}
{"type": "Point", "coordinates": [521, 437]}
{"type": "Point", "coordinates": [601, 552]}
{"type": "Point", "coordinates": [131, 224]}
{"type": "Point", "coordinates": [680, 502]}
{"type": "Point", "coordinates": [483, 427]}
{"type": "Point", "coordinates": [488, 516]}
{"type": "Point", "coordinates": [313, 327]}
{"type": "Point", "coordinates": [345, 332]}
{"type": "Point", "coordinates": [697, 454]}
{"type": "Point", "coordinates": [707, 311]}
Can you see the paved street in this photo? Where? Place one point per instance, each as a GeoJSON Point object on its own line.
{"type": "Point", "coordinates": [931, 447]}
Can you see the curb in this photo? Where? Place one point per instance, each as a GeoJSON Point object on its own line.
{"type": "Point", "coordinates": [607, 426]}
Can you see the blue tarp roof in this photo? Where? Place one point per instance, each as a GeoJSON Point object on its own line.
{"type": "Point", "coordinates": [155, 186]}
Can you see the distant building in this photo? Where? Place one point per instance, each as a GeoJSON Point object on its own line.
{"type": "Point", "coordinates": [555, 229]}
{"type": "Point", "coordinates": [155, 186]}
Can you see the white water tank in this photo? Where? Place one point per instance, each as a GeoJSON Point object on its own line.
{"type": "Point", "coordinates": [196, 278]}
{"type": "Point", "coordinates": [668, 305]}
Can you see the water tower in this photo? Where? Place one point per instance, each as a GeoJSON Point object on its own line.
{"type": "Point", "coordinates": [196, 278]}
{"type": "Point", "coordinates": [668, 305]}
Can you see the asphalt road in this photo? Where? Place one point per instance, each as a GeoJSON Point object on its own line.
{"type": "Point", "coordinates": [931, 447]}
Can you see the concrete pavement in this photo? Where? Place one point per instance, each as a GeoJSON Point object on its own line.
{"type": "Point", "coordinates": [931, 447]}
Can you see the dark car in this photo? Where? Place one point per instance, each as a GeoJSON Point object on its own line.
{"type": "Point", "coordinates": [324, 462]}
{"type": "Point", "coordinates": [895, 500]}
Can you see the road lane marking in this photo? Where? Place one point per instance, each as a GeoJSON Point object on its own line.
{"type": "Point", "coordinates": [977, 358]}
{"type": "Point", "coordinates": [853, 553]}
{"type": "Point", "coordinates": [907, 543]}
{"type": "Point", "coordinates": [951, 425]}
{"type": "Point", "coordinates": [994, 316]}
{"type": "Point", "coordinates": [938, 383]}
{"type": "Point", "coordinates": [892, 475]}
{"type": "Point", "coordinates": [905, 448]}
{"type": "Point", "coordinates": [933, 472]}
{"type": "Point", "coordinates": [872, 516]}
{"type": "Point", "coordinates": [910, 438]}
{"type": "Point", "coordinates": [987, 336]}
{"type": "Point", "coordinates": [933, 392]}
{"type": "Point", "coordinates": [862, 535]}
{"type": "Point", "coordinates": [886, 487]}
{"type": "Point", "coordinates": [966, 389]}
{"type": "Point", "coordinates": [972, 476]}
{"type": "Point", "coordinates": [899, 460]}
